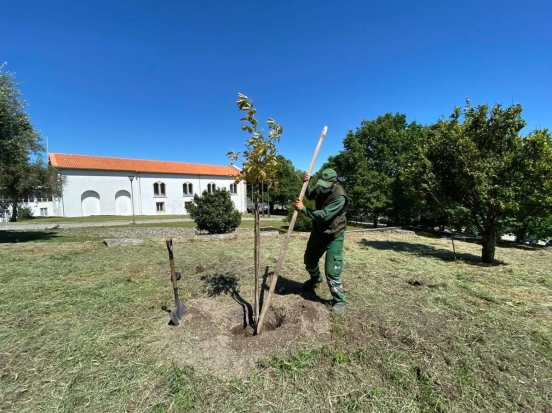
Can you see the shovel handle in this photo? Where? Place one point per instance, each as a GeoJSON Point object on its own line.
{"type": "Point", "coordinates": [170, 248]}
{"type": "Point", "coordinates": [171, 261]}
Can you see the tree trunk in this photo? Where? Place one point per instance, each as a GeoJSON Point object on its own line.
{"type": "Point", "coordinates": [488, 241]}
{"type": "Point", "coordinates": [257, 252]}
{"type": "Point", "coordinates": [269, 207]}
{"type": "Point", "coordinates": [376, 221]}
{"type": "Point", "coordinates": [14, 212]}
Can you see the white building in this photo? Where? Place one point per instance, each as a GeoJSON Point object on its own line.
{"type": "Point", "coordinates": [98, 185]}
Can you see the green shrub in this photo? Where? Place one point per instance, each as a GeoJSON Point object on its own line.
{"type": "Point", "coordinates": [303, 222]}
{"type": "Point", "coordinates": [25, 212]}
{"type": "Point", "coordinates": [214, 213]}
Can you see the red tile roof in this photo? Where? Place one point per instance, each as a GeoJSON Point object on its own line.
{"type": "Point", "coordinates": [66, 161]}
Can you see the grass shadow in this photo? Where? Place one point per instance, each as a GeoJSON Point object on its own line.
{"type": "Point", "coordinates": [7, 237]}
{"type": "Point", "coordinates": [426, 250]}
{"type": "Point", "coordinates": [218, 284]}
{"type": "Point", "coordinates": [285, 286]}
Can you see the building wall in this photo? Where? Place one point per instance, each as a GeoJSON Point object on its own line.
{"type": "Point", "coordinates": [39, 208]}
{"type": "Point", "coordinates": [109, 193]}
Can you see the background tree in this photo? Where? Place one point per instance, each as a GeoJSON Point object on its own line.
{"type": "Point", "coordinates": [214, 213]}
{"type": "Point", "coordinates": [531, 212]}
{"type": "Point", "coordinates": [22, 168]}
{"type": "Point", "coordinates": [369, 167]}
{"type": "Point", "coordinates": [260, 165]}
{"type": "Point", "coordinates": [302, 223]}
{"type": "Point", "coordinates": [476, 160]}
{"type": "Point", "coordinates": [289, 182]}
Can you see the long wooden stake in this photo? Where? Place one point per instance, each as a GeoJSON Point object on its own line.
{"type": "Point", "coordinates": [266, 305]}
{"type": "Point", "coordinates": [257, 259]}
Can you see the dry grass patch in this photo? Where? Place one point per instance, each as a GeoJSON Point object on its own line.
{"type": "Point", "coordinates": [85, 329]}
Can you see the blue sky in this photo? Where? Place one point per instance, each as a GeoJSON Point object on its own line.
{"type": "Point", "coordinates": [159, 79]}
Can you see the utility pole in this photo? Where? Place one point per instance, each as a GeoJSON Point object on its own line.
{"type": "Point", "coordinates": [131, 178]}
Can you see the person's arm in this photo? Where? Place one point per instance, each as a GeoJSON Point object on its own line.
{"type": "Point", "coordinates": [328, 213]}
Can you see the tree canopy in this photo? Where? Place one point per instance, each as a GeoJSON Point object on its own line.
{"type": "Point", "coordinates": [21, 165]}
{"type": "Point", "coordinates": [369, 166]}
{"type": "Point", "coordinates": [288, 183]}
{"type": "Point", "coordinates": [214, 212]}
{"type": "Point", "coordinates": [477, 160]}
{"type": "Point", "coordinates": [471, 172]}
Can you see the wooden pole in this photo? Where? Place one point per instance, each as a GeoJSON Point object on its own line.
{"type": "Point", "coordinates": [266, 305]}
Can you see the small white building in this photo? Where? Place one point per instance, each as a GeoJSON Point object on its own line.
{"type": "Point", "coordinates": [39, 201]}
{"type": "Point", "coordinates": [97, 185]}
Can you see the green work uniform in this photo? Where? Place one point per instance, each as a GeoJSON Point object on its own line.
{"type": "Point", "coordinates": [327, 236]}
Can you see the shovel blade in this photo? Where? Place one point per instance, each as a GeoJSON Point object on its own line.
{"type": "Point", "coordinates": [177, 313]}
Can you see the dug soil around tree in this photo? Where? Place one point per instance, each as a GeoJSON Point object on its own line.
{"type": "Point", "coordinates": [215, 337]}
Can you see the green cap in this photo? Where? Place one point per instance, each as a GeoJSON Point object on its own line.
{"type": "Point", "coordinates": [327, 178]}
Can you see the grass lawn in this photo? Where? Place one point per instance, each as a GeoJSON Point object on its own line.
{"type": "Point", "coordinates": [95, 233]}
{"type": "Point", "coordinates": [84, 328]}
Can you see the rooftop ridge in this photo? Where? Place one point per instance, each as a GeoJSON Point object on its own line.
{"type": "Point", "coordinates": [135, 159]}
{"type": "Point", "coordinates": [107, 163]}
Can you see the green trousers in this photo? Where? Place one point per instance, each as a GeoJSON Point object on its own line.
{"type": "Point", "coordinates": [333, 248]}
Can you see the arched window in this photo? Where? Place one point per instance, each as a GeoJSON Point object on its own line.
{"type": "Point", "coordinates": [187, 189]}
{"type": "Point", "coordinates": [234, 188]}
{"type": "Point", "coordinates": [159, 189]}
{"type": "Point", "coordinates": [211, 188]}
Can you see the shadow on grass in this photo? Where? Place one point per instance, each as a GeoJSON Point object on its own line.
{"type": "Point", "coordinates": [7, 237]}
{"type": "Point", "coordinates": [227, 283]}
{"type": "Point", "coordinates": [476, 240]}
{"type": "Point", "coordinates": [426, 250]}
{"type": "Point", "coordinates": [285, 286]}
{"type": "Point", "coordinates": [218, 284]}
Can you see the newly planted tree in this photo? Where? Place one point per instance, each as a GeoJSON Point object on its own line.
{"type": "Point", "coordinates": [259, 165]}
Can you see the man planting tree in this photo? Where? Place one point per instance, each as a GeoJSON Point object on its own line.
{"type": "Point", "coordinates": [329, 223]}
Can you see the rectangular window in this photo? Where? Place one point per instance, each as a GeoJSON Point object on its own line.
{"type": "Point", "coordinates": [159, 189]}
{"type": "Point", "coordinates": [160, 206]}
{"type": "Point", "coordinates": [188, 189]}
{"type": "Point", "coordinates": [43, 212]}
